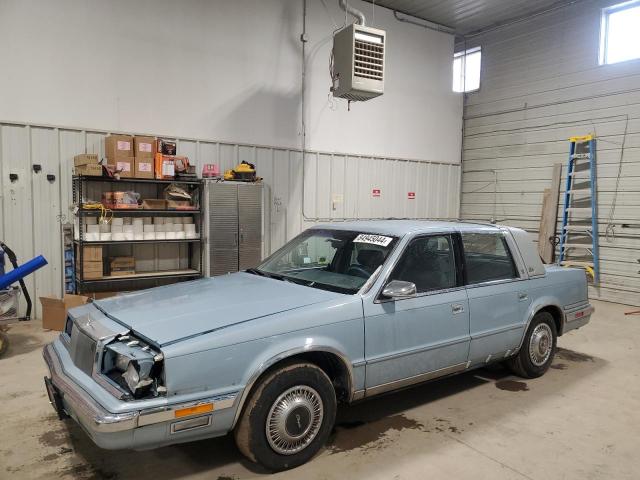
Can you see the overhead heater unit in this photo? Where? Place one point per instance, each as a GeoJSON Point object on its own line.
{"type": "Point", "coordinates": [357, 70]}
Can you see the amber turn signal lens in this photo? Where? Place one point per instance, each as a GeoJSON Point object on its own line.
{"type": "Point", "coordinates": [195, 410]}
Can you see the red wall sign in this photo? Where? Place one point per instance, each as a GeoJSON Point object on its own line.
{"type": "Point", "coordinates": [411, 195]}
{"type": "Point", "coordinates": [375, 192]}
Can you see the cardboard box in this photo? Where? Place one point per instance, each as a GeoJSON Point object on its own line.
{"type": "Point", "coordinates": [122, 266]}
{"type": "Point", "coordinates": [125, 165]}
{"type": "Point", "coordinates": [90, 170]}
{"type": "Point", "coordinates": [144, 167]}
{"type": "Point", "coordinates": [164, 167]}
{"type": "Point", "coordinates": [118, 146]}
{"type": "Point", "coordinates": [179, 205]}
{"type": "Point", "coordinates": [144, 147]}
{"type": "Point", "coordinates": [54, 310]}
{"type": "Point", "coordinates": [92, 270]}
{"type": "Point", "coordinates": [92, 254]}
{"type": "Point", "coordinates": [85, 159]}
{"type": "Point", "coordinates": [154, 204]}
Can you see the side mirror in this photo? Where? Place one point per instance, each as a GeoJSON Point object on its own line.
{"type": "Point", "coordinates": [399, 289]}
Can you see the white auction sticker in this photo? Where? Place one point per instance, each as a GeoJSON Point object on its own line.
{"type": "Point", "coordinates": [374, 239]}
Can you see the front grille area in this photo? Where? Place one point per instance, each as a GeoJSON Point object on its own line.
{"type": "Point", "coordinates": [83, 351]}
{"type": "Point", "coordinates": [369, 59]}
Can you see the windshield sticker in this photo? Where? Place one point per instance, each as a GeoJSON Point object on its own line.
{"type": "Point", "coordinates": [373, 239]}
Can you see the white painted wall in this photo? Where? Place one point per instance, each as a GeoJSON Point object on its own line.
{"type": "Point", "coordinates": [541, 83]}
{"type": "Point", "coordinates": [224, 79]}
{"type": "Point", "coordinates": [229, 70]}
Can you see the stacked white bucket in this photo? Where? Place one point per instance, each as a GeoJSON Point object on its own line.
{"type": "Point", "coordinates": [122, 229]}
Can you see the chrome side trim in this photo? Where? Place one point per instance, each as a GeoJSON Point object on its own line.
{"type": "Point", "coordinates": [495, 282]}
{"type": "Point", "coordinates": [191, 424]}
{"type": "Point", "coordinates": [87, 410]}
{"type": "Point", "coordinates": [163, 414]}
{"type": "Point", "coordinates": [574, 306]}
{"type": "Point", "coordinates": [496, 331]}
{"type": "Point", "coordinates": [418, 350]}
{"type": "Point", "coordinates": [579, 313]}
{"type": "Point", "coordinates": [419, 295]}
{"type": "Point", "coordinates": [423, 377]}
{"type": "Point", "coordinates": [282, 356]}
{"type": "Point", "coordinates": [357, 395]}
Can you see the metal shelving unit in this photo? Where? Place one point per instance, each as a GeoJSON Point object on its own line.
{"type": "Point", "coordinates": [140, 279]}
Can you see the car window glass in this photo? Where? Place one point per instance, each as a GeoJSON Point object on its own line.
{"type": "Point", "coordinates": [429, 263]}
{"type": "Point", "coordinates": [337, 260]}
{"type": "Point", "coordinates": [487, 258]}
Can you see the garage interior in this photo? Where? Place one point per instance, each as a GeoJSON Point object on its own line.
{"type": "Point", "coordinates": [208, 134]}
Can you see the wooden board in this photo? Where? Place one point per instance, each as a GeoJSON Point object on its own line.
{"type": "Point", "coordinates": [549, 216]}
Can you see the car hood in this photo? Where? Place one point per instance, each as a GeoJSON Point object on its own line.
{"type": "Point", "coordinates": [176, 312]}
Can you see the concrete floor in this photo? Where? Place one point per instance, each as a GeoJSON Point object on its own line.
{"type": "Point", "coordinates": [578, 421]}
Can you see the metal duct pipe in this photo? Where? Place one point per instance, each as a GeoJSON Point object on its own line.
{"type": "Point", "coordinates": [353, 11]}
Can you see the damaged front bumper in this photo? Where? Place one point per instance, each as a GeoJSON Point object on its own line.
{"type": "Point", "coordinates": [85, 410]}
{"type": "Point", "coordinates": [137, 429]}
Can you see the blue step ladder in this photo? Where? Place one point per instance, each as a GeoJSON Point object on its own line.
{"type": "Point", "coordinates": [579, 234]}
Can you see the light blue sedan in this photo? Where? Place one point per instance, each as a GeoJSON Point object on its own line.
{"type": "Point", "coordinates": [341, 313]}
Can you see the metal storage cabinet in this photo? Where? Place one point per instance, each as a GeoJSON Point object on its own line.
{"type": "Point", "coordinates": [234, 226]}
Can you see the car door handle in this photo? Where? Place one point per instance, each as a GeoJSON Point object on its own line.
{"type": "Point", "coordinates": [457, 308]}
{"type": "Point", "coordinates": [523, 297]}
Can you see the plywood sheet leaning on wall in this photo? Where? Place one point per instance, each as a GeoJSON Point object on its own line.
{"type": "Point", "coordinates": [549, 216]}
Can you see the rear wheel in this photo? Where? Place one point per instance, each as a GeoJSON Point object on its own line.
{"type": "Point", "coordinates": [538, 349]}
{"type": "Point", "coordinates": [288, 417]}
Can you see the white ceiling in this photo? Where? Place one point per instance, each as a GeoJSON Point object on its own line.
{"type": "Point", "coordinates": [467, 16]}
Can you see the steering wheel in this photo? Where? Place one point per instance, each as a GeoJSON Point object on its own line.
{"type": "Point", "coordinates": [358, 271]}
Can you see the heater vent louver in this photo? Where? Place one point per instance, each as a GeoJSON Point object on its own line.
{"type": "Point", "coordinates": [357, 70]}
{"type": "Point", "coordinates": [369, 60]}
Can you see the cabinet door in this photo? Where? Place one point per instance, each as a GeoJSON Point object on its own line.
{"type": "Point", "coordinates": [223, 228]}
{"type": "Point", "coordinates": [250, 225]}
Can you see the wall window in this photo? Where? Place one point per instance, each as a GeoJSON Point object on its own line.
{"type": "Point", "coordinates": [429, 263]}
{"type": "Point", "coordinates": [487, 258]}
{"type": "Point", "coordinates": [466, 70]}
{"type": "Point", "coordinates": [620, 33]}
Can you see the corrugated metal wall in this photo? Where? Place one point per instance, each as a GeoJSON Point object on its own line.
{"type": "Point", "coordinates": [541, 83]}
{"type": "Point", "coordinates": [336, 187]}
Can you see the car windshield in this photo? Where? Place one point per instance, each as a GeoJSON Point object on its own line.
{"type": "Point", "coordinates": [337, 260]}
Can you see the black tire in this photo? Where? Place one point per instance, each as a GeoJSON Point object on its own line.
{"type": "Point", "coordinates": [250, 432]}
{"type": "Point", "coordinates": [522, 363]}
{"type": "Point", "coordinates": [4, 343]}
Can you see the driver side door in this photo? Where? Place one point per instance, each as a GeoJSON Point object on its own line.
{"type": "Point", "coordinates": [413, 339]}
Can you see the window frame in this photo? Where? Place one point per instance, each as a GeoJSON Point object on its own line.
{"type": "Point", "coordinates": [457, 259]}
{"type": "Point", "coordinates": [514, 260]}
{"type": "Point", "coordinates": [464, 54]}
{"type": "Point", "coordinates": [604, 30]}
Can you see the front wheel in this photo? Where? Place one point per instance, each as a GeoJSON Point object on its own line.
{"type": "Point", "coordinates": [288, 417]}
{"type": "Point", "coordinates": [538, 349]}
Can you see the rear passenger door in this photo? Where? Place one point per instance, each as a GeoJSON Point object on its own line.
{"type": "Point", "coordinates": [498, 298]}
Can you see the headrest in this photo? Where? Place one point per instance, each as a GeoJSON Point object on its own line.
{"type": "Point", "coordinates": [370, 258]}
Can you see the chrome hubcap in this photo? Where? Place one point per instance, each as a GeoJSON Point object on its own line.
{"type": "Point", "coordinates": [540, 345]}
{"type": "Point", "coordinates": [294, 420]}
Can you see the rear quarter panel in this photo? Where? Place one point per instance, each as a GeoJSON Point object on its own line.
{"type": "Point", "coordinates": [560, 287]}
